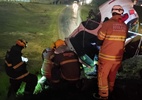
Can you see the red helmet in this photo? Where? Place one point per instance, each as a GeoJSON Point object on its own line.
{"type": "Point", "coordinates": [21, 43]}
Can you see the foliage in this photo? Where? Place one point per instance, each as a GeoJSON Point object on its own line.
{"type": "Point", "coordinates": [131, 68]}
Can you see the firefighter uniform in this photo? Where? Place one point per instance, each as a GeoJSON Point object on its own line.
{"type": "Point", "coordinates": [16, 69]}
{"type": "Point", "coordinates": [66, 69]}
{"type": "Point", "coordinates": [46, 68]}
{"type": "Point", "coordinates": [47, 65]}
{"type": "Point", "coordinates": [112, 34]}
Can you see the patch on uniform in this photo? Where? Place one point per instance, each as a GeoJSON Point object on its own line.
{"type": "Point", "coordinates": [118, 27]}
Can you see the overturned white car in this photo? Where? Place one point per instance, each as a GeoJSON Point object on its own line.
{"type": "Point", "coordinates": [83, 38]}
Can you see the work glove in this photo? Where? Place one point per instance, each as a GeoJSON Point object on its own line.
{"type": "Point", "coordinates": [24, 59]}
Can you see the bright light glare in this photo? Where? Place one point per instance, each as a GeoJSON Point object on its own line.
{"type": "Point", "coordinates": [75, 9]}
{"type": "Point", "coordinates": [88, 1]}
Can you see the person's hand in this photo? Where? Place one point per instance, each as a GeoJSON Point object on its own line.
{"type": "Point", "coordinates": [24, 59]}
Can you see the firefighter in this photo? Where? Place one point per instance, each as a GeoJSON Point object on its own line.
{"type": "Point", "coordinates": [111, 38]}
{"type": "Point", "coordinates": [46, 68]}
{"type": "Point", "coordinates": [47, 65]}
{"type": "Point", "coordinates": [66, 71]}
{"type": "Point", "coordinates": [15, 67]}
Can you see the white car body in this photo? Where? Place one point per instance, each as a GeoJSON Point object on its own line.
{"type": "Point", "coordinates": [105, 9]}
{"type": "Point", "coordinates": [86, 33]}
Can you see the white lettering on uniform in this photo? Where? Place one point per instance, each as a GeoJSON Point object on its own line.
{"type": "Point", "coordinates": [118, 27]}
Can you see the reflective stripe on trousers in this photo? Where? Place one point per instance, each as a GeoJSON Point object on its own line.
{"type": "Point", "coordinates": [106, 76]}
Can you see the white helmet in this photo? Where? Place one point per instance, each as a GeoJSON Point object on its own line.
{"type": "Point", "coordinates": [117, 9]}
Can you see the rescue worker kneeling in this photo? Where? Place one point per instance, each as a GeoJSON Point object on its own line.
{"type": "Point", "coordinates": [46, 68]}
{"type": "Point", "coordinates": [15, 67]}
{"type": "Point", "coordinates": [66, 70]}
{"type": "Point", "coordinates": [47, 65]}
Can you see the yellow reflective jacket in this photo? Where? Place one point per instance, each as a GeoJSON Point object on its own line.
{"type": "Point", "coordinates": [113, 34]}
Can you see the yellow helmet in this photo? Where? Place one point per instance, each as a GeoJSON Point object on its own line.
{"type": "Point", "coordinates": [21, 43]}
{"type": "Point", "coordinates": [59, 42]}
{"type": "Point", "coordinates": [117, 9]}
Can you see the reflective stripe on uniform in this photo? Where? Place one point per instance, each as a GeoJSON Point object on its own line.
{"type": "Point", "coordinates": [108, 57]}
{"type": "Point", "coordinates": [74, 79]}
{"type": "Point", "coordinates": [115, 37]}
{"type": "Point", "coordinates": [111, 37]}
{"type": "Point", "coordinates": [19, 64]}
{"type": "Point", "coordinates": [55, 81]}
{"type": "Point", "coordinates": [16, 66]}
{"type": "Point", "coordinates": [68, 61]}
{"type": "Point", "coordinates": [101, 36]}
{"type": "Point", "coordinates": [9, 65]}
{"type": "Point", "coordinates": [22, 76]}
{"type": "Point", "coordinates": [103, 87]}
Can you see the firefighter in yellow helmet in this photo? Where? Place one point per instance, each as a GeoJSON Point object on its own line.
{"type": "Point", "coordinates": [59, 65]}
{"type": "Point", "coordinates": [16, 69]}
{"type": "Point", "coordinates": [66, 70]}
{"type": "Point", "coordinates": [59, 43]}
{"type": "Point", "coordinates": [47, 64]}
{"type": "Point", "coordinates": [111, 38]}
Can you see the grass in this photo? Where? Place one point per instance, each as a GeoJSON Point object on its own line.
{"type": "Point", "coordinates": [36, 23]}
{"type": "Point", "coordinates": [84, 11]}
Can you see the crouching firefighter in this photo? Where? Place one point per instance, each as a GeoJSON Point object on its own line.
{"type": "Point", "coordinates": [15, 67]}
{"type": "Point", "coordinates": [66, 70]}
{"type": "Point", "coordinates": [46, 68]}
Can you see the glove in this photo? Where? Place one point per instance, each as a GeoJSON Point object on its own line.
{"type": "Point", "coordinates": [24, 59]}
{"type": "Point", "coordinates": [90, 71]}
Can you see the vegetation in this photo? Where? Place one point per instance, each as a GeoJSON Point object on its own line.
{"type": "Point", "coordinates": [131, 68]}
